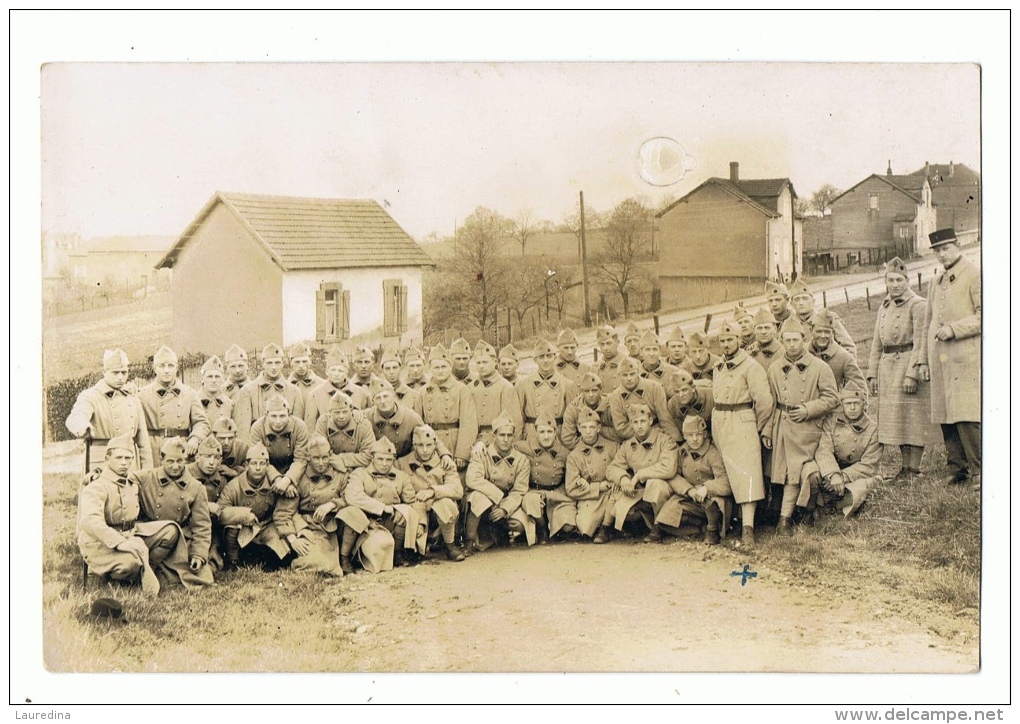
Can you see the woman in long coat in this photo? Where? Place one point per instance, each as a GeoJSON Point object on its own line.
{"type": "Point", "coordinates": [897, 372]}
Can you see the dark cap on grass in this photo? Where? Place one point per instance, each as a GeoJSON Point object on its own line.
{"type": "Point", "coordinates": [107, 608]}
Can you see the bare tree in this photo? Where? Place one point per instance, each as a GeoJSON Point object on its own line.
{"type": "Point", "coordinates": [820, 200]}
{"type": "Point", "coordinates": [524, 227]}
{"type": "Point", "coordinates": [566, 279]}
{"type": "Point", "coordinates": [478, 264]}
{"type": "Point", "coordinates": [523, 286]}
{"type": "Point", "coordinates": [572, 222]}
{"type": "Point", "coordinates": [627, 245]}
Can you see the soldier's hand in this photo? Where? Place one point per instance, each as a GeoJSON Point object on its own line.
{"type": "Point", "coordinates": [388, 510]}
{"type": "Point", "coordinates": [300, 546]}
{"type": "Point", "coordinates": [698, 494]}
{"type": "Point", "coordinates": [226, 470]}
{"type": "Point", "coordinates": [357, 415]}
{"type": "Point", "coordinates": [338, 464]}
{"type": "Point", "coordinates": [191, 447]}
{"type": "Point", "coordinates": [251, 520]}
{"type": "Point", "coordinates": [448, 463]}
{"type": "Point", "coordinates": [195, 564]}
{"type": "Point", "coordinates": [461, 463]}
{"type": "Point", "coordinates": [281, 484]}
{"type": "Point", "coordinates": [873, 384]}
{"type": "Point", "coordinates": [322, 511]}
{"type": "Point", "coordinates": [477, 449]}
{"type": "Point", "coordinates": [836, 484]}
{"type": "Point", "coordinates": [945, 333]}
{"type": "Point", "coordinates": [425, 495]}
{"type": "Point", "coordinates": [923, 373]}
{"type": "Point", "coordinates": [214, 509]}
{"type": "Point", "coordinates": [497, 514]}
{"type": "Point", "coordinates": [766, 442]}
{"type": "Point", "coordinates": [398, 518]}
{"type": "Point", "coordinates": [909, 385]}
{"type": "Point", "coordinates": [799, 414]}
{"type": "Point", "coordinates": [628, 487]}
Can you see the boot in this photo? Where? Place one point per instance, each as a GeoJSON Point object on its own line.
{"type": "Point", "coordinates": [399, 561]}
{"type": "Point", "coordinates": [346, 566]}
{"type": "Point", "coordinates": [808, 518]}
{"type": "Point", "coordinates": [454, 552]}
{"type": "Point", "coordinates": [232, 554]}
{"type": "Point", "coordinates": [542, 532]}
{"type": "Point", "coordinates": [602, 536]}
{"type": "Point", "coordinates": [654, 535]}
{"type": "Point", "coordinates": [747, 538]}
{"type": "Point", "coordinates": [786, 526]}
{"type": "Point", "coordinates": [712, 537]}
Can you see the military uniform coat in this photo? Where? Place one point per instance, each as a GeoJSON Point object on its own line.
{"type": "Point", "coordinates": [538, 393]}
{"type": "Point", "coordinates": [351, 445]}
{"type": "Point", "coordinates": [660, 373]}
{"type": "Point", "coordinates": [174, 411]}
{"type": "Point", "coordinates": [569, 434]}
{"type": "Point", "coordinates": [216, 407]}
{"type": "Point", "coordinates": [362, 392]}
{"type": "Point", "coordinates": [766, 354]}
{"type": "Point", "coordinates": [306, 387]}
{"type": "Point", "coordinates": [295, 516]}
{"type": "Point", "coordinates": [251, 402]}
{"type": "Point", "coordinates": [696, 468]}
{"type": "Point", "coordinates": [742, 382]}
{"type": "Point", "coordinates": [369, 491]}
{"type": "Point", "coordinates": [650, 393]}
{"type": "Point", "coordinates": [954, 299]}
{"type": "Point", "coordinates": [235, 459]}
{"type": "Point", "coordinates": [491, 397]}
{"type": "Point", "coordinates": [547, 489]}
{"type": "Point", "coordinates": [288, 449]}
{"type": "Point", "coordinates": [213, 485]}
{"type": "Point", "coordinates": [705, 372]}
{"type": "Point", "coordinates": [502, 480]}
{"type": "Point", "coordinates": [608, 371]}
{"type": "Point", "coordinates": [408, 398]}
{"type": "Point", "coordinates": [808, 381]}
{"type": "Point", "coordinates": [450, 410]}
{"type": "Point", "coordinates": [853, 449]}
{"type": "Point", "coordinates": [398, 428]}
{"type": "Point", "coordinates": [843, 365]}
{"type": "Point", "coordinates": [110, 413]}
{"type": "Point", "coordinates": [839, 333]}
{"type": "Point", "coordinates": [318, 407]}
{"type": "Point", "coordinates": [902, 419]}
{"type": "Point", "coordinates": [232, 389]}
{"type": "Point", "coordinates": [656, 456]}
{"type": "Point", "coordinates": [573, 370]}
{"type": "Point", "coordinates": [586, 470]}
{"type": "Point", "coordinates": [241, 495]}
{"type": "Point", "coordinates": [701, 406]}
{"type": "Point", "coordinates": [183, 501]}
{"type": "Point", "coordinates": [430, 475]}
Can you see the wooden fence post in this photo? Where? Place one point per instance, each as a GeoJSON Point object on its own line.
{"type": "Point", "coordinates": [918, 282]}
{"type": "Point", "coordinates": [655, 323]}
{"type": "Point", "coordinates": [867, 295]}
{"type": "Point", "coordinates": [846, 293]}
{"type": "Point", "coordinates": [708, 321]}
{"type": "Point", "coordinates": [825, 301]}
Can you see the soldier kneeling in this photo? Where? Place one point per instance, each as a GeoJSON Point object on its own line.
{"type": "Point", "coordinates": [246, 514]}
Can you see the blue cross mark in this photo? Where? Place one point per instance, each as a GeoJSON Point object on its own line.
{"type": "Point", "coordinates": [745, 574]}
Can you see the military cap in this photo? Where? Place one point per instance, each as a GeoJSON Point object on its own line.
{"type": "Point", "coordinates": [213, 363]}
{"type": "Point", "coordinates": [483, 348]}
{"type": "Point", "coordinates": [413, 353]}
{"type": "Point", "coordinates": [271, 351]}
{"type": "Point", "coordinates": [792, 325]}
{"type": "Point", "coordinates": [173, 445]}
{"type": "Point", "coordinates": [277, 402]}
{"type": "Point", "coordinates": [853, 392]}
{"type": "Point", "coordinates": [164, 354]}
{"type": "Point", "coordinates": [740, 311]}
{"type": "Point", "coordinates": [629, 364]}
{"type": "Point", "coordinates": [210, 446]}
{"type": "Point", "coordinates": [340, 401]}
{"type": "Point", "coordinates": [508, 352]}
{"type": "Point", "coordinates": [648, 339]}
{"type": "Point", "coordinates": [114, 359]}
{"type": "Point", "coordinates": [729, 329]}
{"type": "Point", "coordinates": [503, 421]}
{"type": "Point", "coordinates": [776, 289]}
{"type": "Point", "coordinates": [389, 356]}
{"type": "Point", "coordinates": [318, 445]}
{"type": "Point", "coordinates": [605, 332]}
{"type": "Point", "coordinates": [942, 236]}
{"type": "Point", "coordinates": [698, 340]}
{"type": "Point", "coordinates": [438, 354]}
{"type": "Point", "coordinates": [383, 446]}
{"type": "Point", "coordinates": [106, 607]}
{"type": "Point", "coordinates": [361, 352]}
{"type": "Point", "coordinates": [692, 424]}
{"type": "Point", "coordinates": [822, 320]}
{"type": "Point", "coordinates": [567, 336]}
{"type": "Point", "coordinates": [300, 350]}
{"type": "Point", "coordinates": [680, 378]}
{"type": "Point", "coordinates": [799, 287]}
{"type": "Point", "coordinates": [381, 386]}
{"type": "Point", "coordinates": [896, 266]}
{"type": "Point", "coordinates": [545, 418]}
{"type": "Point", "coordinates": [256, 452]}
{"type": "Point", "coordinates": [589, 381]}
{"type": "Point", "coordinates": [224, 424]}
{"type": "Point", "coordinates": [460, 346]}
{"type": "Point", "coordinates": [543, 346]}
{"type": "Point", "coordinates": [639, 408]}
{"type": "Point", "coordinates": [424, 433]}
{"type": "Point", "coordinates": [235, 353]}
{"type": "Point", "coordinates": [588, 415]}
{"type": "Point", "coordinates": [764, 316]}
{"type": "Point", "coordinates": [336, 358]}
{"type": "Point", "coordinates": [676, 335]}
{"type": "Point", "coordinates": [632, 331]}
{"type": "Point", "coordinates": [121, 442]}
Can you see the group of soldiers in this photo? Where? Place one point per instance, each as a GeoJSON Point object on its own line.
{"type": "Point", "coordinates": [383, 461]}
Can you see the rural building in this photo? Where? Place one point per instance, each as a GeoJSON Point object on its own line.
{"type": "Point", "coordinates": [817, 231]}
{"type": "Point", "coordinates": [882, 217]}
{"type": "Point", "coordinates": [254, 269]}
{"type": "Point", "coordinates": [956, 194]}
{"type": "Point", "coordinates": [725, 238]}
{"type": "Point", "coordinates": [124, 262]}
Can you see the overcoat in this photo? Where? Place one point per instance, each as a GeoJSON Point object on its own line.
{"type": "Point", "coordinates": [843, 365]}
{"type": "Point", "coordinates": [174, 411]}
{"type": "Point", "coordinates": [569, 434]}
{"type": "Point", "coordinates": [351, 445]}
{"type": "Point", "coordinates": [649, 392]}
{"type": "Point", "coordinates": [250, 404]}
{"type": "Point", "coordinates": [573, 370]}
{"type": "Point", "coordinates": [548, 491]}
{"type": "Point", "coordinates": [110, 413]}
{"type": "Point", "coordinates": [450, 410]}
{"type": "Point", "coordinates": [288, 449]}
{"type": "Point", "coordinates": [696, 468]}
{"type": "Point", "coordinates": [295, 516]}
{"type": "Point", "coordinates": [954, 299]}
{"type": "Point", "coordinates": [502, 480]}
{"type": "Point", "coordinates": [656, 457]}
{"type": "Point", "coordinates": [701, 406]}
{"type": "Point", "coordinates": [538, 393]}
{"type": "Point", "coordinates": [853, 449]}
{"type": "Point", "coordinates": [241, 495]}
{"type": "Point", "coordinates": [493, 396]}
{"type": "Point", "coordinates": [183, 501]}
{"type": "Point", "coordinates": [586, 470]}
{"type": "Point", "coordinates": [430, 474]}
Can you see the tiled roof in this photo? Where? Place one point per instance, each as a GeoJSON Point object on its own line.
{"type": "Point", "coordinates": [910, 183]}
{"type": "Point", "coordinates": [763, 199]}
{"type": "Point", "coordinates": [310, 233]}
{"type": "Point", "coordinates": [940, 173]}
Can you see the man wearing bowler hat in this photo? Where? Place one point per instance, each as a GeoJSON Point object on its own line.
{"type": "Point", "coordinates": [954, 357]}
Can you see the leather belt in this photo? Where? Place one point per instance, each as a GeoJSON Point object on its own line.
{"type": "Point", "coordinates": [124, 527]}
{"type": "Point", "coordinates": [169, 431]}
{"type": "Point", "coordinates": [531, 420]}
{"type": "Point", "coordinates": [783, 406]}
{"type": "Point", "coordinates": [894, 348]}
{"type": "Point", "coordinates": [544, 487]}
{"type": "Point", "coordinates": [437, 426]}
{"type": "Point", "coordinates": [105, 440]}
{"type": "Point", "coordinates": [484, 428]}
{"type": "Point", "coordinates": [724, 407]}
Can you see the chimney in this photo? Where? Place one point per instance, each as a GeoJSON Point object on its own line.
{"type": "Point", "coordinates": [888, 169]}
{"type": "Point", "coordinates": [927, 173]}
{"type": "Point", "coordinates": [951, 169]}
{"type": "Point", "coordinates": [734, 171]}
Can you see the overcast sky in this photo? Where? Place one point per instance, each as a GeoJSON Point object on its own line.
{"type": "Point", "coordinates": [139, 148]}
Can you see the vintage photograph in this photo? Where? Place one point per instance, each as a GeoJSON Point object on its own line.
{"type": "Point", "coordinates": [506, 367]}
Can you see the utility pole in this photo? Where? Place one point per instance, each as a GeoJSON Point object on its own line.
{"type": "Point", "coordinates": [584, 267]}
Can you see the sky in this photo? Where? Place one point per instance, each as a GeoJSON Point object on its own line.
{"type": "Point", "coordinates": [139, 148]}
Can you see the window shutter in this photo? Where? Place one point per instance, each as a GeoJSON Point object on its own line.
{"type": "Point", "coordinates": [389, 309]}
{"type": "Point", "coordinates": [321, 318]}
{"type": "Point", "coordinates": [344, 310]}
{"type": "Point", "coordinates": [402, 309]}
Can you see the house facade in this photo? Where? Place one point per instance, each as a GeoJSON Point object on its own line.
{"type": "Point", "coordinates": [956, 194]}
{"type": "Point", "coordinates": [254, 269]}
{"type": "Point", "coordinates": [725, 238]}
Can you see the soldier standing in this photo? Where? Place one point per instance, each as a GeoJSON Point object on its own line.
{"type": "Point", "coordinates": [171, 409]}
{"type": "Point", "coordinates": [251, 400]}
{"type": "Point", "coordinates": [652, 366]}
{"type": "Point", "coordinates": [449, 408]}
{"type": "Point", "coordinates": [591, 397]}
{"type": "Point", "coordinates": [632, 341]}
{"type": "Point", "coordinates": [236, 361]}
{"type": "Point", "coordinates": [804, 305]}
{"type": "Point", "coordinates": [544, 389]}
{"type": "Point", "coordinates": [676, 347]}
{"type": "Point", "coordinates": [414, 370]}
{"type": "Point", "coordinates": [701, 363]}
{"type": "Point", "coordinates": [744, 320]}
{"type": "Point", "coordinates": [389, 365]}
{"type": "Point", "coordinates": [215, 401]}
{"type": "Point", "coordinates": [508, 364]}
{"type": "Point", "coordinates": [301, 375]}
{"type": "Point", "coordinates": [778, 297]}
{"type": "Point", "coordinates": [634, 389]}
{"type": "Point", "coordinates": [492, 394]}
{"type": "Point", "coordinates": [336, 381]}
{"type": "Point", "coordinates": [608, 368]}
{"type": "Point", "coordinates": [843, 365]}
{"type": "Point", "coordinates": [567, 363]}
{"type": "Point", "coordinates": [766, 332]}
{"type": "Point", "coordinates": [460, 360]}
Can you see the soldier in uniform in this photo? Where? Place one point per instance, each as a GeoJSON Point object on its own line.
{"type": "Point", "coordinates": [843, 365]}
{"type": "Point", "coordinates": [301, 374]}
{"type": "Point", "coordinates": [632, 341]}
{"type": "Point", "coordinates": [766, 333]}
{"type": "Point", "coordinates": [953, 321]}
{"type": "Point", "coordinates": [701, 363]}
{"type": "Point", "coordinates": [108, 410]}
{"type": "Point", "coordinates": [449, 408]}
{"type": "Point", "coordinates": [389, 365]}
{"type": "Point", "coordinates": [492, 394]}
{"type": "Point", "coordinates": [586, 481]}
{"type": "Point", "coordinates": [350, 438]}
{"type": "Point", "coordinates": [208, 470]}
{"type": "Point", "coordinates": [652, 366]}
{"type": "Point", "coordinates": [608, 368]}
{"type": "Point", "coordinates": [214, 400]}
{"type": "Point", "coordinates": [236, 361]}
{"type": "Point", "coordinates": [251, 400]}
{"type": "Point", "coordinates": [362, 386]}
{"type": "Point", "coordinates": [676, 347]}
{"type": "Point", "coordinates": [701, 490]}
{"type": "Point", "coordinates": [567, 363]}
{"type": "Point", "coordinates": [336, 381]}
{"type": "Point", "coordinates": [286, 438]}
{"type": "Point", "coordinates": [235, 452]}
{"type": "Point", "coordinates": [591, 397]}
{"type": "Point", "coordinates": [246, 514]}
{"type": "Point", "coordinates": [508, 364]}
{"type": "Point", "coordinates": [547, 501]}
{"type": "Point", "coordinates": [497, 481]}
{"type": "Point", "coordinates": [778, 297]}
{"type": "Point", "coordinates": [804, 306]}
{"type": "Point", "coordinates": [544, 389]}
{"type": "Point", "coordinates": [460, 360]}
{"type": "Point", "coordinates": [113, 542]}
{"type": "Point", "coordinates": [805, 391]}
{"type": "Point", "coordinates": [438, 490]}
{"type": "Point", "coordinates": [414, 370]}
{"type": "Point", "coordinates": [172, 409]}
{"type": "Point", "coordinates": [169, 493]}
{"type": "Point", "coordinates": [742, 406]}
{"type": "Point", "coordinates": [744, 320]}
{"type": "Point", "coordinates": [307, 522]}
{"type": "Point", "coordinates": [641, 472]}
{"type": "Point", "coordinates": [634, 389]}
{"type": "Point", "coordinates": [848, 456]}
{"type": "Point", "coordinates": [392, 420]}
{"type": "Point", "coordinates": [689, 399]}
